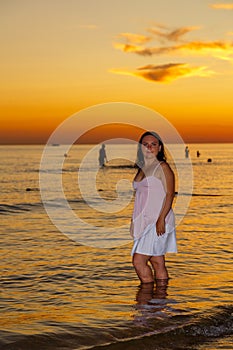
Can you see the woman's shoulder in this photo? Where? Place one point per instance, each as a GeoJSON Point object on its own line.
{"type": "Point", "coordinates": [164, 164]}
{"type": "Point", "coordinates": [166, 168]}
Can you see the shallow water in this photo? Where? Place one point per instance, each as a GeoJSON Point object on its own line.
{"type": "Point", "coordinates": [60, 294]}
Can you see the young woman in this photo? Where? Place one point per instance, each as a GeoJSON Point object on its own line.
{"type": "Point", "coordinates": [153, 222]}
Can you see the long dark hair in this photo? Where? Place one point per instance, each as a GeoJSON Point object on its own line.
{"type": "Point", "coordinates": [140, 158]}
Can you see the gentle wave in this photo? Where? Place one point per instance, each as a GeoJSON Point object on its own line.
{"type": "Point", "coordinates": [27, 207]}
{"type": "Point", "coordinates": [21, 207]}
{"type": "Point", "coordinates": [17, 208]}
{"type": "Point", "coordinates": [215, 323]}
{"type": "Point", "coordinates": [177, 332]}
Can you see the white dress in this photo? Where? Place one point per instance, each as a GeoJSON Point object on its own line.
{"type": "Point", "coordinates": [149, 199]}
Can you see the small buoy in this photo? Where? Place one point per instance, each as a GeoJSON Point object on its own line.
{"type": "Point", "coordinates": [209, 160]}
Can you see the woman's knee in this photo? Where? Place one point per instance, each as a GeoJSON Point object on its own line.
{"type": "Point", "coordinates": [138, 261]}
{"type": "Point", "coordinates": [158, 261]}
{"type": "Point", "coordinates": [135, 261]}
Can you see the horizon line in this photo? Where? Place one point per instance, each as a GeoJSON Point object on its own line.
{"type": "Point", "coordinates": [106, 142]}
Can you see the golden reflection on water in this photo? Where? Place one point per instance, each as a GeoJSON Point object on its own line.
{"type": "Point", "coordinates": [65, 282]}
{"type": "Point", "coordinates": [49, 279]}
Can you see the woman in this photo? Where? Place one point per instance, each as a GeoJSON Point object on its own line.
{"type": "Point", "coordinates": [153, 222]}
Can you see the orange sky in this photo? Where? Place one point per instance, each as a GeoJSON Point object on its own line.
{"type": "Point", "coordinates": [175, 57]}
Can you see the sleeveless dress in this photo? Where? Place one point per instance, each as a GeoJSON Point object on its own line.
{"type": "Point", "coordinates": [149, 198]}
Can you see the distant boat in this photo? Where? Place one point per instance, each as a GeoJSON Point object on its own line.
{"type": "Point", "coordinates": [55, 144]}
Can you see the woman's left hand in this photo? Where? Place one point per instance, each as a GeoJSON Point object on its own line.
{"type": "Point", "coordinates": [160, 226]}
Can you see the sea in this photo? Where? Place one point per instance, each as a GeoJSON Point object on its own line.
{"type": "Point", "coordinates": [67, 281]}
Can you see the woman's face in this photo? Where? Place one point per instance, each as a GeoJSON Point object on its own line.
{"type": "Point", "coordinates": [150, 147]}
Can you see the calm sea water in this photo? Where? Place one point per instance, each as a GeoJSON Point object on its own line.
{"type": "Point", "coordinates": [60, 293]}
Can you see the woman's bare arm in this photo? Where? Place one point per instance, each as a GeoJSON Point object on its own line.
{"type": "Point", "coordinates": [169, 183]}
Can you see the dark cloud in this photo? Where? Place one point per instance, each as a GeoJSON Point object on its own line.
{"type": "Point", "coordinates": [169, 72]}
{"type": "Point", "coordinates": [220, 49]}
{"type": "Point", "coordinates": [166, 73]}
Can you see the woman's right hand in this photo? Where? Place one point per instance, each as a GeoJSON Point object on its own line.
{"type": "Point", "coordinates": [160, 226]}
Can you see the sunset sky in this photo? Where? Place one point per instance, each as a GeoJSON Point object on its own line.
{"type": "Point", "coordinates": [60, 56]}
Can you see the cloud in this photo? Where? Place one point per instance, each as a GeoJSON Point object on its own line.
{"type": "Point", "coordinates": [140, 50]}
{"type": "Point", "coordinates": [166, 73]}
{"type": "Point", "coordinates": [222, 6]}
{"type": "Point", "coordinates": [171, 43]}
{"type": "Point", "coordinates": [219, 49]}
{"type": "Point", "coordinates": [135, 38]}
{"type": "Point", "coordinates": [134, 42]}
{"type": "Point", "coordinates": [172, 35]}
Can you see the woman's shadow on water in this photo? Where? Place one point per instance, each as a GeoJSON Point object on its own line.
{"type": "Point", "coordinates": [151, 301]}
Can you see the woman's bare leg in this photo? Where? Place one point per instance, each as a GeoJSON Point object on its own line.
{"type": "Point", "coordinates": [158, 264]}
{"type": "Point", "coordinates": [143, 270]}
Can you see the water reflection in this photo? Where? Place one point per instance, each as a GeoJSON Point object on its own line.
{"type": "Point", "coordinates": [152, 291]}
{"type": "Point", "coordinates": [151, 302]}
